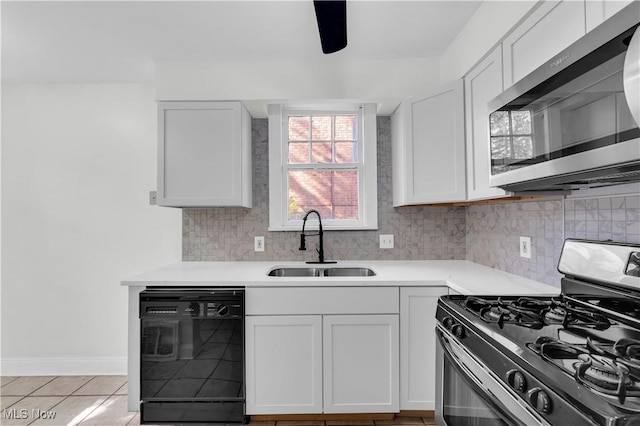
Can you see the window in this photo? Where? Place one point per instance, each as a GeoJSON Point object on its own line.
{"type": "Point", "coordinates": [322, 159]}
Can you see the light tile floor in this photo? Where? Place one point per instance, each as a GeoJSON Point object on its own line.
{"type": "Point", "coordinates": [102, 400]}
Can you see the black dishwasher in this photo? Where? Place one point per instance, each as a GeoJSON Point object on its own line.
{"type": "Point", "coordinates": [192, 355]}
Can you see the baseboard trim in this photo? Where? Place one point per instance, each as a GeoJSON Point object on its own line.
{"type": "Point", "coordinates": [63, 366]}
{"type": "Point", "coordinates": [341, 417]}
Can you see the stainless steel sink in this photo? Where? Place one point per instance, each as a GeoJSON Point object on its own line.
{"type": "Point", "coordinates": [334, 271]}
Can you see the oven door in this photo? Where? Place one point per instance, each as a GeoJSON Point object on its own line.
{"type": "Point", "coordinates": [468, 394]}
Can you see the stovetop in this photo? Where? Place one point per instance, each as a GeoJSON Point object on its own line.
{"type": "Point", "coordinates": [582, 348]}
{"type": "Point", "coordinates": [589, 359]}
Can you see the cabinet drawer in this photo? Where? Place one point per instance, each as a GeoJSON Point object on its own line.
{"type": "Point", "coordinates": [322, 300]}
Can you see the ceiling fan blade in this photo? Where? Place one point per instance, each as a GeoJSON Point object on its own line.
{"type": "Point", "coordinates": [332, 24]}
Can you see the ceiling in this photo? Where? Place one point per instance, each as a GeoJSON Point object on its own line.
{"type": "Point", "coordinates": [118, 41]}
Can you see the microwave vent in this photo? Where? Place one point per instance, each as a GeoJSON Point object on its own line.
{"type": "Point", "coordinates": [607, 176]}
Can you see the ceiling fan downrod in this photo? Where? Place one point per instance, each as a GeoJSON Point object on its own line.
{"type": "Point", "coordinates": [332, 24]}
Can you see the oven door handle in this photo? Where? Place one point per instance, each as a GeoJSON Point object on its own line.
{"type": "Point", "coordinates": [490, 389]}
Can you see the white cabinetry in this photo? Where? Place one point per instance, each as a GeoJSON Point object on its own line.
{"type": "Point", "coordinates": [204, 154]}
{"type": "Point", "coordinates": [428, 147]}
{"type": "Point", "coordinates": [284, 364]}
{"type": "Point", "coordinates": [482, 84]}
{"type": "Point", "coordinates": [598, 11]}
{"type": "Point", "coordinates": [360, 363]}
{"type": "Point", "coordinates": [322, 349]}
{"type": "Point", "coordinates": [548, 30]}
{"type": "Point", "coordinates": [417, 346]}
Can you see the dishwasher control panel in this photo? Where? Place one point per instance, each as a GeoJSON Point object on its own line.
{"type": "Point", "coordinates": [200, 304]}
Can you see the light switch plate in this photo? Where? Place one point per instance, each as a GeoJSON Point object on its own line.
{"type": "Point", "coordinates": [258, 244]}
{"type": "Point", "coordinates": [153, 198]}
{"type": "Point", "coordinates": [386, 241]}
{"type": "Point", "coordinates": [525, 247]}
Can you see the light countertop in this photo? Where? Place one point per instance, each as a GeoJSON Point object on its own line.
{"type": "Point", "coordinates": [460, 275]}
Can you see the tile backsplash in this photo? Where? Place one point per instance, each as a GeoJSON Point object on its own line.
{"type": "Point", "coordinates": [493, 231]}
{"type": "Point", "coordinates": [487, 234]}
{"type": "Point", "coordinates": [493, 237]}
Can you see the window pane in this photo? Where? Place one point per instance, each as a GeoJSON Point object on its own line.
{"type": "Point", "coordinates": [321, 152]}
{"type": "Point", "coordinates": [298, 152]}
{"type": "Point", "coordinates": [299, 128]}
{"type": "Point", "coordinates": [500, 148]}
{"type": "Point", "coordinates": [499, 122]}
{"type": "Point", "coordinates": [346, 128]}
{"type": "Point", "coordinates": [522, 147]}
{"type": "Point", "coordinates": [334, 193]}
{"type": "Point", "coordinates": [346, 152]}
{"type": "Point", "coordinates": [321, 128]}
{"type": "Point", "coordinates": [521, 122]}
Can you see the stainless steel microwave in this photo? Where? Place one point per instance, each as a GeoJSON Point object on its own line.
{"type": "Point", "coordinates": [573, 122]}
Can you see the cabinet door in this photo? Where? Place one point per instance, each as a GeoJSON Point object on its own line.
{"type": "Point", "coordinates": [204, 154]}
{"type": "Point", "coordinates": [482, 84]}
{"type": "Point", "coordinates": [428, 147]}
{"type": "Point", "coordinates": [284, 364]}
{"type": "Point", "coordinates": [599, 11]}
{"type": "Point", "coordinates": [361, 365]}
{"type": "Point", "coordinates": [418, 347]}
{"type": "Point", "coordinates": [548, 30]}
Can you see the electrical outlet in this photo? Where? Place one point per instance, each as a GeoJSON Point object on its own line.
{"type": "Point", "coordinates": [386, 241]}
{"type": "Point", "coordinates": [153, 198]}
{"type": "Point", "coordinates": [258, 244]}
{"type": "Point", "coordinates": [525, 247]}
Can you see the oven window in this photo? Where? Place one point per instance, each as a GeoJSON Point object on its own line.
{"type": "Point", "coordinates": [462, 406]}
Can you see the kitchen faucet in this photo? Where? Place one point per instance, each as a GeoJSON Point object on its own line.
{"type": "Point", "coordinates": [319, 234]}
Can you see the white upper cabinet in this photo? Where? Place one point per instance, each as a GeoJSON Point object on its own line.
{"type": "Point", "coordinates": [204, 154]}
{"type": "Point", "coordinates": [481, 85]}
{"type": "Point", "coordinates": [548, 30]}
{"type": "Point", "coordinates": [599, 11]}
{"type": "Point", "coordinates": [427, 133]}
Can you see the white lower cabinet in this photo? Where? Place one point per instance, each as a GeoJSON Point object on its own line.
{"type": "Point", "coordinates": [292, 361]}
{"type": "Point", "coordinates": [361, 363]}
{"type": "Point", "coordinates": [418, 346]}
{"type": "Point", "coordinates": [284, 364]}
{"type": "Point", "coordinates": [313, 350]}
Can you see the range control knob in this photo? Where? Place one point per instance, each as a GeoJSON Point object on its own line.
{"type": "Point", "coordinates": [458, 331]}
{"type": "Point", "coordinates": [222, 310]}
{"type": "Point", "coordinates": [540, 400]}
{"type": "Point", "coordinates": [447, 322]}
{"type": "Point", "coordinates": [517, 380]}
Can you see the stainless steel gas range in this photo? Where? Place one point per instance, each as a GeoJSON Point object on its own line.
{"type": "Point", "coordinates": [572, 359]}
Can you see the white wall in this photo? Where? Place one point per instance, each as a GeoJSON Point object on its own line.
{"type": "Point", "coordinates": [77, 164]}
{"type": "Point", "coordinates": [486, 27]}
{"type": "Point", "coordinates": [257, 82]}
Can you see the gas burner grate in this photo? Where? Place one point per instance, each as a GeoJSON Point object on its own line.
{"type": "Point", "coordinates": [562, 312]}
{"type": "Point", "coordinates": [604, 367]}
{"type": "Point", "coordinates": [535, 313]}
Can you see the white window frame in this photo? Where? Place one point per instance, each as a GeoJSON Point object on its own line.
{"type": "Point", "coordinates": [367, 166]}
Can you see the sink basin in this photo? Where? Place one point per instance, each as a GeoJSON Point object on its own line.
{"type": "Point", "coordinates": [348, 272]}
{"type": "Point", "coordinates": [321, 272]}
{"type": "Point", "coordinates": [295, 272]}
